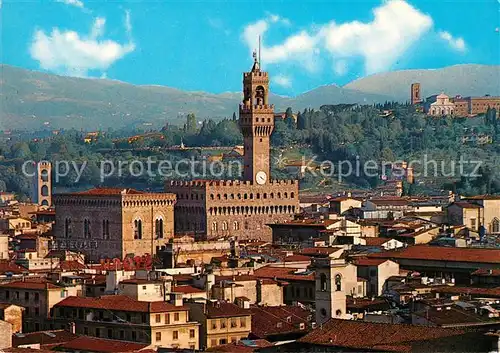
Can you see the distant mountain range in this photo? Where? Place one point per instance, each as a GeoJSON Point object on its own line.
{"type": "Point", "coordinates": [32, 99]}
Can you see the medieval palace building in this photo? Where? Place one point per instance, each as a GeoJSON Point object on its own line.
{"type": "Point", "coordinates": [240, 208]}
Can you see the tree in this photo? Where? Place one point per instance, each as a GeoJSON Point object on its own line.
{"type": "Point", "coordinates": [190, 127]}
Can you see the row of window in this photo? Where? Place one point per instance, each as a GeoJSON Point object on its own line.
{"type": "Point", "coordinates": [87, 229]}
{"type": "Point", "coordinates": [324, 282]}
{"type": "Point", "coordinates": [176, 318]}
{"type": "Point", "coordinates": [236, 210]}
{"type": "Point", "coordinates": [214, 342]}
{"type": "Point", "coordinates": [233, 323]}
{"type": "Point", "coordinates": [250, 196]}
{"type": "Point", "coordinates": [16, 296]}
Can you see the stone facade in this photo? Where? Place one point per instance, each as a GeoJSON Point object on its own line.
{"type": "Point", "coordinates": [439, 105]}
{"type": "Point", "coordinates": [415, 94]}
{"type": "Point", "coordinates": [42, 184]}
{"type": "Point", "coordinates": [240, 208]}
{"type": "Point", "coordinates": [108, 223]}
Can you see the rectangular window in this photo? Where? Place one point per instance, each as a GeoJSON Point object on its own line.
{"type": "Point", "coordinates": [26, 296]}
{"type": "Point", "coordinates": [191, 333]}
{"type": "Point", "coordinates": [176, 316]}
{"type": "Point", "coordinates": [37, 311]}
{"type": "Point", "coordinates": [167, 319]}
{"type": "Point", "coordinates": [37, 297]}
{"type": "Point", "coordinates": [158, 336]}
{"type": "Point", "coordinates": [144, 287]}
{"type": "Point", "coordinates": [7, 294]}
{"type": "Point", "coordinates": [122, 334]}
{"type": "Point", "coordinates": [243, 322]}
{"type": "Point", "coordinates": [17, 295]}
{"type": "Point", "coordinates": [134, 336]}
{"type": "Point", "coordinates": [98, 332]}
{"type": "Point", "coordinates": [175, 335]}
{"type": "Point", "coordinates": [213, 343]}
{"type": "Point", "coordinates": [233, 323]}
{"type": "Point", "coordinates": [85, 330]}
{"type": "Point", "coordinates": [214, 325]}
{"type": "Point", "coordinates": [192, 347]}
{"type": "Point", "coordinates": [222, 341]}
{"type": "Point", "coordinates": [233, 339]}
{"type": "Point", "coordinates": [222, 323]}
{"type": "Point", "coordinates": [110, 333]}
{"type": "Point", "coordinates": [158, 318]}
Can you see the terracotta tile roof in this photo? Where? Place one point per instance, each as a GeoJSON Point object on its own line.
{"type": "Point", "coordinates": [451, 316]}
{"type": "Point", "coordinates": [389, 201]}
{"type": "Point", "coordinates": [273, 320]}
{"type": "Point", "coordinates": [28, 284]}
{"type": "Point", "coordinates": [224, 309]}
{"type": "Point", "coordinates": [296, 258]}
{"type": "Point", "coordinates": [375, 336]}
{"type": "Point", "coordinates": [484, 197]}
{"type": "Point", "coordinates": [119, 303]}
{"type": "Point", "coordinates": [108, 191]}
{"type": "Point", "coordinates": [364, 261]}
{"type": "Point", "coordinates": [139, 281]}
{"type": "Point", "coordinates": [284, 273]}
{"type": "Point", "coordinates": [237, 278]}
{"type": "Point", "coordinates": [376, 241]}
{"type": "Point", "coordinates": [366, 304]}
{"type": "Point", "coordinates": [70, 266]}
{"type": "Point", "coordinates": [475, 291]}
{"type": "Point", "coordinates": [464, 204]}
{"type": "Point", "coordinates": [437, 253]}
{"type": "Point", "coordinates": [92, 344]}
{"type": "Point", "coordinates": [7, 266]}
{"type": "Point", "coordinates": [45, 338]}
{"type": "Point", "coordinates": [483, 272]}
{"type": "Point", "coordinates": [319, 250]}
{"type": "Point", "coordinates": [187, 289]}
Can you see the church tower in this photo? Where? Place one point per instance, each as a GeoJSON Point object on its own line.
{"type": "Point", "coordinates": [256, 124]}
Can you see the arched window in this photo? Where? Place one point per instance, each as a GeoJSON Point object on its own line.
{"type": "Point", "coordinates": [338, 282]}
{"type": "Point", "coordinates": [45, 190]}
{"type": "Point", "coordinates": [67, 227]}
{"type": "Point", "coordinates": [224, 225]}
{"type": "Point", "coordinates": [44, 175]}
{"type": "Point", "coordinates": [45, 203]}
{"type": "Point", "coordinates": [86, 228]}
{"type": "Point", "coordinates": [214, 226]}
{"type": "Point", "coordinates": [495, 225]}
{"type": "Point", "coordinates": [105, 229]}
{"type": "Point", "coordinates": [159, 228]}
{"type": "Point", "coordinates": [323, 284]}
{"type": "Point", "coordinates": [236, 225]}
{"type": "Point", "coordinates": [137, 229]}
{"type": "Point", "coordinates": [338, 312]}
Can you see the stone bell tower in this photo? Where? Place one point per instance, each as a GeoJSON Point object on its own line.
{"type": "Point", "coordinates": [256, 124]}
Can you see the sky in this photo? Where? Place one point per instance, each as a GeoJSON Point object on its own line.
{"type": "Point", "coordinates": [206, 45]}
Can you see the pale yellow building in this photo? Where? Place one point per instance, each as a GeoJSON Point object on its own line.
{"type": "Point", "coordinates": [221, 322]}
{"type": "Point", "coordinates": [439, 105]}
{"type": "Point", "coordinates": [158, 324]}
{"type": "Point", "coordinates": [491, 211]}
{"type": "Point", "coordinates": [464, 213]}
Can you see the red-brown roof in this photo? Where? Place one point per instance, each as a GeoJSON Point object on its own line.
{"type": "Point", "coordinates": [484, 197]}
{"type": "Point", "coordinates": [483, 272]}
{"type": "Point", "coordinates": [273, 320]}
{"type": "Point", "coordinates": [464, 204]}
{"type": "Point", "coordinates": [375, 336]}
{"type": "Point", "coordinates": [284, 273]}
{"type": "Point", "coordinates": [45, 338]}
{"type": "Point", "coordinates": [241, 346]}
{"type": "Point", "coordinates": [186, 289]}
{"type": "Point", "coordinates": [7, 266]}
{"type": "Point", "coordinates": [437, 253]}
{"type": "Point", "coordinates": [364, 261]}
{"type": "Point", "coordinates": [296, 258]}
{"type": "Point", "coordinates": [119, 303]}
{"type": "Point", "coordinates": [92, 344]}
{"type": "Point", "coordinates": [319, 250]}
{"type": "Point", "coordinates": [68, 265]}
{"type": "Point", "coordinates": [28, 284]}
{"type": "Point", "coordinates": [476, 291]}
{"type": "Point", "coordinates": [390, 201]}
{"type": "Point", "coordinates": [224, 309]}
{"type": "Point", "coordinates": [108, 191]}
{"type": "Point", "coordinates": [376, 241]}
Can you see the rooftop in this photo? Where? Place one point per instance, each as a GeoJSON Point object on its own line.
{"type": "Point", "coordinates": [225, 309]}
{"type": "Point", "coordinates": [438, 253]}
{"type": "Point", "coordinates": [92, 344]}
{"type": "Point", "coordinates": [375, 336]}
{"type": "Point", "coordinates": [119, 303]}
{"type": "Point", "coordinates": [284, 273]}
{"type": "Point", "coordinates": [31, 284]}
{"type": "Point", "coordinates": [44, 338]}
{"type": "Point", "coordinates": [364, 261]}
{"type": "Point", "coordinates": [108, 191]}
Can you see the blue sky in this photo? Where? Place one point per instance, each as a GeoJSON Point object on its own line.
{"type": "Point", "coordinates": [205, 45]}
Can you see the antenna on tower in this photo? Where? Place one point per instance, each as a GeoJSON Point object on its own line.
{"type": "Point", "coordinates": [259, 50]}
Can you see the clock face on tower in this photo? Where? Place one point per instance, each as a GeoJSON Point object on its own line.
{"type": "Point", "coordinates": [261, 178]}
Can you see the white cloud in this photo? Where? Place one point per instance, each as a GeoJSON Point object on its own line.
{"type": "Point", "coordinates": [76, 3]}
{"type": "Point", "coordinates": [70, 53]}
{"type": "Point", "coordinates": [283, 81]}
{"type": "Point", "coordinates": [340, 67]}
{"type": "Point", "coordinates": [455, 43]}
{"type": "Point", "coordinates": [128, 23]}
{"type": "Point", "coordinates": [395, 27]}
